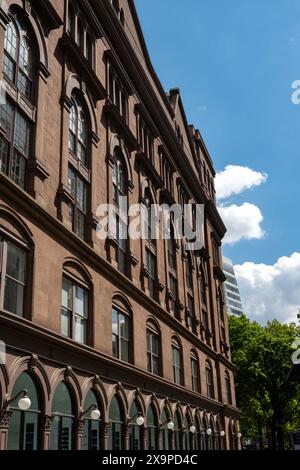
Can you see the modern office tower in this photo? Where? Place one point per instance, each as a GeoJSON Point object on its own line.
{"type": "Point", "coordinates": [232, 292]}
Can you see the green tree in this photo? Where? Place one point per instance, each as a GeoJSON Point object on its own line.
{"type": "Point", "coordinates": [262, 356]}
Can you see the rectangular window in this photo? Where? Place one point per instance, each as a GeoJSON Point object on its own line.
{"type": "Point", "coordinates": [195, 374]}
{"type": "Point", "coordinates": [177, 365]}
{"type": "Point", "coordinates": [15, 144]}
{"type": "Point", "coordinates": [209, 382]}
{"type": "Point", "coordinates": [153, 352]}
{"type": "Point", "coordinates": [228, 390]}
{"type": "Point", "coordinates": [173, 292]}
{"type": "Point", "coordinates": [151, 267]}
{"type": "Point", "coordinates": [121, 336]}
{"type": "Point", "coordinates": [74, 311]}
{"type": "Point", "coordinates": [13, 277]}
{"type": "Point", "coordinates": [78, 211]}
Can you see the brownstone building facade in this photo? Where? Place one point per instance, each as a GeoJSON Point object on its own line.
{"type": "Point", "coordinates": [131, 328]}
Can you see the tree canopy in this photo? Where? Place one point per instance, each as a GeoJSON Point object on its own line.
{"type": "Point", "coordinates": [266, 398]}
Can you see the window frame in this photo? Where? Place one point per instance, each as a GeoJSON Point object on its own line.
{"type": "Point", "coordinates": [176, 346]}
{"type": "Point", "coordinates": [210, 386]}
{"type": "Point", "coordinates": [120, 189]}
{"type": "Point", "coordinates": [194, 361]}
{"type": "Point", "coordinates": [128, 316]}
{"type": "Point", "coordinates": [5, 239]}
{"type": "Point", "coordinates": [79, 171]}
{"type": "Point", "coordinates": [13, 158]}
{"type": "Point", "coordinates": [152, 331]}
{"type": "Point", "coordinates": [77, 283]}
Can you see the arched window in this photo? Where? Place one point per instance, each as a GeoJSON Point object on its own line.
{"type": "Point", "coordinates": [151, 248]}
{"type": "Point", "coordinates": [62, 430]}
{"type": "Point", "coordinates": [228, 389]}
{"type": "Point", "coordinates": [121, 334]}
{"type": "Point", "coordinates": [18, 63]}
{"type": "Point", "coordinates": [177, 362]}
{"type": "Point", "coordinates": [92, 431]}
{"type": "Point", "coordinates": [75, 307]}
{"type": "Point", "coordinates": [116, 429]}
{"type": "Point", "coordinates": [195, 369]}
{"type": "Point", "coordinates": [120, 198]}
{"type": "Point", "coordinates": [177, 432]}
{"type": "Point", "coordinates": [164, 430]}
{"type": "Point", "coordinates": [78, 179]}
{"type": "Point", "coordinates": [13, 275]}
{"type": "Point", "coordinates": [19, 70]}
{"type": "Point", "coordinates": [135, 431]}
{"type": "Point", "coordinates": [187, 435]}
{"type": "Point", "coordinates": [152, 429]}
{"type": "Point", "coordinates": [24, 426]}
{"type": "Point", "coordinates": [153, 349]}
{"type": "Point", "coordinates": [172, 268]}
{"type": "Point", "coordinates": [210, 390]}
{"type": "Point", "coordinates": [190, 293]}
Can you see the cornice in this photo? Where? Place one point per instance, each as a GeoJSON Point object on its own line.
{"type": "Point", "coordinates": [48, 13]}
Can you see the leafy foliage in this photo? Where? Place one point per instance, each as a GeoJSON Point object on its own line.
{"type": "Point", "coordinates": [262, 356]}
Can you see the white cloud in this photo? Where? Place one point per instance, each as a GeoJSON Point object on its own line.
{"type": "Point", "coordinates": [242, 222]}
{"type": "Point", "coordinates": [271, 291]}
{"type": "Point", "coordinates": [236, 179]}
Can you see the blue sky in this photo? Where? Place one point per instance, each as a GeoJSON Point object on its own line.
{"type": "Point", "coordinates": [235, 62]}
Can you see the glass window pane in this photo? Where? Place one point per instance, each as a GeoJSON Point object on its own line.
{"type": "Point", "coordinates": [3, 155]}
{"type": "Point", "coordinates": [66, 294]}
{"type": "Point", "coordinates": [80, 330]}
{"type": "Point", "coordinates": [115, 322]}
{"type": "Point", "coordinates": [79, 224]}
{"type": "Point", "coordinates": [124, 326]}
{"type": "Point", "coordinates": [25, 57]}
{"type": "Point", "coordinates": [155, 344]}
{"type": "Point", "coordinates": [124, 350]}
{"type": "Point", "coordinates": [65, 323]}
{"type": "Point", "coordinates": [62, 402]}
{"type": "Point", "coordinates": [66, 434]}
{"type": "Point", "coordinates": [71, 182]}
{"type": "Point", "coordinates": [11, 39]}
{"type": "Point", "coordinates": [9, 67]}
{"type": "Point", "coordinates": [14, 297]}
{"type": "Point", "coordinates": [22, 133]}
{"type": "Point", "coordinates": [81, 302]}
{"type": "Point", "coordinates": [115, 346]}
{"type": "Point", "coordinates": [14, 438]}
{"type": "Point", "coordinates": [115, 413]}
{"type": "Point", "coordinates": [6, 116]}
{"type": "Point", "coordinates": [16, 263]}
{"type": "Point", "coordinates": [24, 84]}
{"type": "Point", "coordinates": [81, 195]}
{"type": "Point", "coordinates": [155, 362]}
{"type": "Point", "coordinates": [55, 433]}
{"type": "Point", "coordinates": [30, 439]}
{"type": "Point", "coordinates": [18, 169]}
